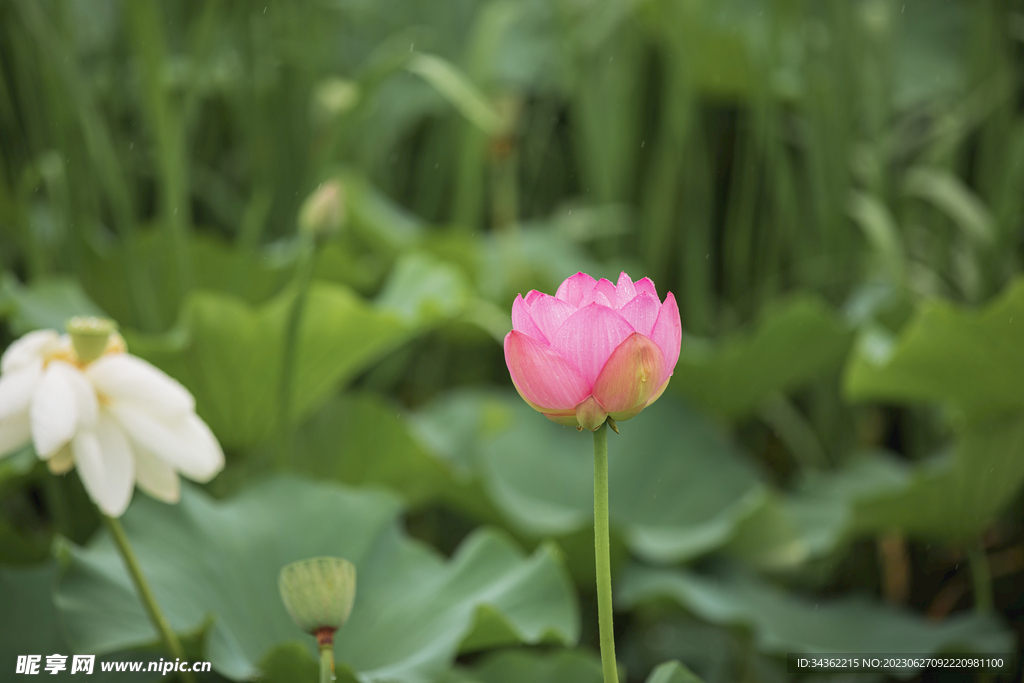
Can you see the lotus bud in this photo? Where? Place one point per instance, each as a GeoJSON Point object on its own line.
{"type": "Point", "coordinates": [595, 351]}
{"type": "Point", "coordinates": [318, 594]}
{"type": "Point", "coordinates": [323, 213]}
{"type": "Point", "coordinates": [334, 97]}
{"type": "Point", "coordinates": [90, 336]}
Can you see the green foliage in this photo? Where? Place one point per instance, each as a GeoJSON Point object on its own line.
{"type": "Point", "coordinates": [228, 355]}
{"type": "Point", "coordinates": [800, 341]}
{"type": "Point", "coordinates": [678, 487]}
{"type": "Point", "coordinates": [566, 666]}
{"type": "Point", "coordinates": [955, 496]}
{"type": "Point", "coordinates": [46, 305]}
{"type": "Point", "coordinates": [831, 191]}
{"type": "Point", "coordinates": [781, 623]}
{"type": "Point", "coordinates": [672, 672]}
{"type": "Point", "coordinates": [967, 359]}
{"type": "Point", "coordinates": [414, 611]}
{"type": "Point", "coordinates": [31, 625]}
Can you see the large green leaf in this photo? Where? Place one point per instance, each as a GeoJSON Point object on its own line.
{"type": "Point", "coordinates": [336, 441]}
{"type": "Point", "coordinates": [254, 276]}
{"type": "Point", "coordinates": [952, 496]}
{"type": "Point", "coordinates": [795, 343]}
{"type": "Point", "coordinates": [422, 289]}
{"type": "Point", "coordinates": [956, 495]}
{"type": "Point", "coordinates": [783, 623]}
{"type": "Point", "coordinates": [377, 218]}
{"type": "Point", "coordinates": [947, 354]}
{"type": "Point", "coordinates": [677, 486]}
{"type": "Point", "coordinates": [519, 666]}
{"type": "Point", "coordinates": [30, 626]}
{"type": "Point", "coordinates": [229, 354]}
{"type": "Point", "coordinates": [672, 672]}
{"type": "Point", "coordinates": [566, 666]}
{"type": "Point", "coordinates": [45, 305]}
{"type": "Point", "coordinates": [413, 610]}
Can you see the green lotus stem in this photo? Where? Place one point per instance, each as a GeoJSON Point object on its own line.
{"type": "Point", "coordinates": [981, 573]}
{"type": "Point", "coordinates": [327, 663]}
{"type": "Point", "coordinates": [602, 552]}
{"type": "Point", "coordinates": [156, 615]}
{"type": "Point", "coordinates": [303, 280]}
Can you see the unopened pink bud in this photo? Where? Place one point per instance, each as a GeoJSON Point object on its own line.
{"type": "Point", "coordinates": [594, 349]}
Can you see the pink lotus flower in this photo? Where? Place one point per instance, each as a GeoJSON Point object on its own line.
{"type": "Point", "coordinates": [593, 350]}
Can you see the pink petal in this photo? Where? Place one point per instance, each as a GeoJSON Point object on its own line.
{"type": "Point", "coordinates": [631, 375]}
{"type": "Point", "coordinates": [574, 288]}
{"type": "Point", "coordinates": [624, 291]}
{"type": "Point", "coordinates": [646, 286]}
{"type": "Point", "coordinates": [532, 296]}
{"type": "Point", "coordinates": [596, 296]}
{"type": "Point", "coordinates": [668, 334]}
{"type": "Point", "coordinates": [641, 313]}
{"type": "Point", "coordinates": [522, 321]}
{"type": "Point", "coordinates": [564, 420]}
{"type": "Point", "coordinates": [607, 288]}
{"type": "Point", "coordinates": [541, 375]}
{"type": "Point", "coordinates": [588, 338]}
{"type": "Point", "coordinates": [549, 314]}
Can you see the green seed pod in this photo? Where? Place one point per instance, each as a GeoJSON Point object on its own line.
{"type": "Point", "coordinates": [90, 336]}
{"type": "Point", "coordinates": [318, 592]}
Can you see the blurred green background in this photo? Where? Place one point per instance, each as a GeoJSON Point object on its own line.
{"type": "Point", "coordinates": [834, 191]}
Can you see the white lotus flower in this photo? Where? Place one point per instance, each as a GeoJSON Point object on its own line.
{"type": "Point", "coordinates": [114, 416]}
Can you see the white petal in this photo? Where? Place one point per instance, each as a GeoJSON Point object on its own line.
{"type": "Point", "coordinates": [16, 387]}
{"type": "Point", "coordinates": [14, 433]}
{"type": "Point", "coordinates": [156, 477]}
{"type": "Point", "coordinates": [126, 378]}
{"type": "Point", "coordinates": [185, 443]}
{"type": "Point", "coordinates": [29, 348]}
{"type": "Point", "coordinates": [85, 398]}
{"type": "Point", "coordinates": [212, 460]}
{"type": "Point", "coordinates": [106, 465]}
{"type": "Point", "coordinates": [54, 411]}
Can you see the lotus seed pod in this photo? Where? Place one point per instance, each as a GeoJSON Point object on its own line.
{"type": "Point", "coordinates": [90, 336]}
{"type": "Point", "coordinates": [318, 592]}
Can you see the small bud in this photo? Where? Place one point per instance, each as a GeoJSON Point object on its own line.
{"type": "Point", "coordinates": [334, 97]}
{"type": "Point", "coordinates": [318, 593]}
{"type": "Point", "coordinates": [876, 17]}
{"type": "Point", "coordinates": [323, 212]}
{"type": "Point", "coordinates": [90, 336]}
{"type": "Point", "coordinates": [591, 414]}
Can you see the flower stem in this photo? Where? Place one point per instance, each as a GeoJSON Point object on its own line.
{"type": "Point", "coordinates": [303, 279]}
{"type": "Point", "coordinates": [981, 573]}
{"type": "Point", "coordinates": [602, 552]}
{"type": "Point", "coordinates": [327, 663]}
{"type": "Point", "coordinates": [156, 615]}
